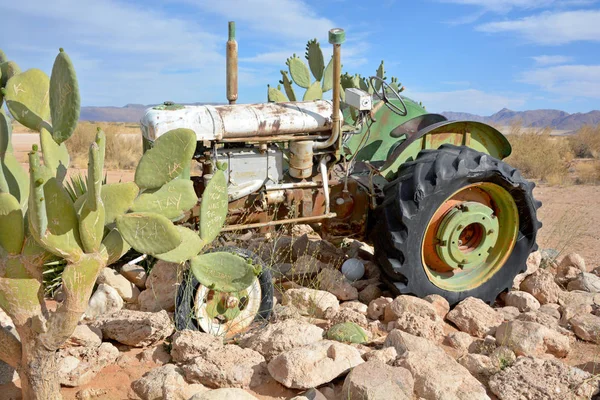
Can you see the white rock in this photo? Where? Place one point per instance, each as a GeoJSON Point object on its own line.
{"type": "Point", "coordinates": [377, 307]}
{"type": "Point", "coordinates": [533, 264]}
{"type": "Point", "coordinates": [135, 274]}
{"type": "Point", "coordinates": [532, 339]}
{"type": "Point", "coordinates": [310, 302]}
{"type": "Point", "coordinates": [313, 365]}
{"type": "Point", "coordinates": [224, 394]}
{"type": "Point", "coordinates": [542, 286]}
{"type": "Point", "coordinates": [404, 342]}
{"type": "Point", "coordinates": [282, 336]}
{"type": "Point", "coordinates": [79, 365]}
{"type": "Point", "coordinates": [509, 312]}
{"type": "Point", "coordinates": [85, 336]}
{"type": "Point", "coordinates": [522, 300]}
{"type": "Point", "coordinates": [585, 282]}
{"type": "Point", "coordinates": [136, 328]}
{"type": "Point", "coordinates": [356, 306]}
{"type": "Point", "coordinates": [475, 317]}
{"type": "Point", "coordinates": [127, 290]}
{"type": "Point", "coordinates": [375, 380]}
{"type": "Point", "coordinates": [335, 282]}
{"type": "Point", "coordinates": [105, 300]}
{"type": "Point", "coordinates": [441, 305]}
{"type": "Point", "coordinates": [166, 382]}
{"type": "Point", "coordinates": [387, 355]}
{"type": "Point", "coordinates": [573, 260]}
{"type": "Point", "coordinates": [459, 340]}
{"type": "Point", "coordinates": [586, 327]}
{"type": "Point", "coordinates": [161, 287]}
{"type": "Point", "coordinates": [187, 345]}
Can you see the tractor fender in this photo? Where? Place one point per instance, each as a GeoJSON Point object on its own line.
{"type": "Point", "coordinates": [476, 135]}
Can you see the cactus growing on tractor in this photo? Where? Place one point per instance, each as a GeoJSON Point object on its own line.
{"type": "Point", "coordinates": [445, 214]}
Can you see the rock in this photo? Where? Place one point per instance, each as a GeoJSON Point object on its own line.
{"type": "Point", "coordinates": [375, 380]}
{"type": "Point", "coordinates": [311, 394]}
{"type": "Point", "coordinates": [156, 355]}
{"type": "Point", "coordinates": [533, 264]}
{"type": "Point", "coordinates": [282, 336]}
{"type": "Point", "coordinates": [85, 336]}
{"type": "Point", "coordinates": [522, 300]}
{"type": "Point", "coordinates": [532, 339]}
{"type": "Point", "coordinates": [475, 317]}
{"type": "Point", "coordinates": [551, 310]}
{"type": "Point", "coordinates": [576, 302]}
{"type": "Point", "coordinates": [164, 382]}
{"type": "Point", "coordinates": [585, 282]}
{"type": "Point", "coordinates": [405, 342]}
{"type": "Point", "coordinates": [459, 340]}
{"type": "Point", "coordinates": [161, 287]}
{"type": "Point", "coordinates": [305, 265]}
{"type": "Point", "coordinates": [79, 365]}
{"type": "Point", "coordinates": [7, 373]}
{"type": "Point", "coordinates": [353, 269]}
{"type": "Point", "coordinates": [135, 274]}
{"type": "Point", "coordinates": [542, 286]}
{"type": "Point", "coordinates": [440, 304]}
{"type": "Point", "coordinates": [509, 312]}
{"type": "Point", "coordinates": [438, 377]}
{"type": "Point", "coordinates": [377, 307]}
{"type": "Point", "coordinates": [408, 304]}
{"type": "Point", "coordinates": [227, 366]}
{"type": "Point", "coordinates": [479, 365]}
{"type": "Point", "coordinates": [304, 229]}
{"type": "Point", "coordinates": [415, 316]}
{"type": "Point", "coordinates": [356, 249]}
{"type": "Point", "coordinates": [369, 293]}
{"type": "Point", "coordinates": [127, 290]}
{"type": "Point", "coordinates": [484, 346]}
{"type": "Point", "coordinates": [565, 274]}
{"type": "Point", "coordinates": [91, 393]}
{"type": "Point", "coordinates": [586, 327]}
{"type": "Point", "coordinates": [387, 355]}
{"type": "Point", "coordinates": [224, 394]}
{"type": "Point", "coordinates": [105, 300]}
{"type": "Point", "coordinates": [347, 315]}
{"type": "Point", "coordinates": [314, 364]}
{"type": "Point", "coordinates": [543, 319]}
{"type": "Point", "coordinates": [187, 345]}
{"type": "Point", "coordinates": [355, 306]}
{"type": "Point", "coordinates": [334, 282]}
{"type": "Point", "coordinates": [534, 379]}
{"type": "Point", "coordinates": [136, 328]}
{"type": "Point", "coordinates": [310, 302]}
{"type": "Point", "coordinates": [503, 357]}
{"type": "Point", "coordinates": [573, 260]}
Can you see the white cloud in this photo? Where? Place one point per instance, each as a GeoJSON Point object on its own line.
{"type": "Point", "coordinates": [506, 5]}
{"type": "Point", "coordinates": [468, 100]}
{"type": "Point", "coordinates": [567, 80]}
{"type": "Point", "coordinates": [551, 60]}
{"type": "Point", "coordinates": [552, 28]}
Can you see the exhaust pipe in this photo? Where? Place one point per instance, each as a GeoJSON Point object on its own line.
{"type": "Point", "coordinates": [232, 65]}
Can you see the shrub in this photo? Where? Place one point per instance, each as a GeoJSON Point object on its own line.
{"type": "Point", "coordinates": [586, 142]}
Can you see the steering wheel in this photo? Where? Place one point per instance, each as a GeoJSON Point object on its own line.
{"type": "Point", "coordinates": [383, 96]}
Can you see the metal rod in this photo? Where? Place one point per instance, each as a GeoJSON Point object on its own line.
{"type": "Point", "coordinates": [279, 222]}
{"type": "Point", "coordinates": [232, 65]}
{"type": "Point", "coordinates": [279, 138]}
{"type": "Point", "coordinates": [325, 179]}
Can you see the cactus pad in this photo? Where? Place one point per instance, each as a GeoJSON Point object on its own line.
{"type": "Point", "coordinates": [172, 200]}
{"type": "Point", "coordinates": [314, 55]}
{"type": "Point", "coordinates": [380, 74]}
{"type": "Point", "coordinates": [92, 215]}
{"type": "Point", "coordinates": [8, 69]}
{"type": "Point", "coordinates": [347, 332]}
{"type": "Point", "coordinates": [275, 95]}
{"type": "Point", "coordinates": [190, 246]}
{"type": "Point", "coordinates": [64, 98]}
{"type": "Point", "coordinates": [287, 86]}
{"type": "Point", "coordinates": [314, 92]}
{"type": "Point", "coordinates": [299, 71]}
{"type": "Point", "coordinates": [12, 233]}
{"type": "Point", "coordinates": [328, 76]}
{"type": "Point", "coordinates": [167, 159]}
{"type": "Point", "coordinates": [148, 233]}
{"type": "Point", "coordinates": [27, 98]}
{"type": "Point", "coordinates": [214, 207]}
{"type": "Point", "coordinates": [115, 245]}
{"type": "Point", "coordinates": [223, 272]}
{"type": "Point", "coordinates": [3, 57]}
{"type": "Point", "coordinates": [56, 156]}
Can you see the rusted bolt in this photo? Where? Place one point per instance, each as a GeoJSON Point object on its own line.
{"type": "Point", "coordinates": [232, 302]}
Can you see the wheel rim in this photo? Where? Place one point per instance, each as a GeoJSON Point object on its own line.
{"type": "Point", "coordinates": [470, 237]}
{"type": "Point", "coordinates": [227, 314]}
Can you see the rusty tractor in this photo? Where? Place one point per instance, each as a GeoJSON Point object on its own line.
{"type": "Point", "coordinates": [445, 214]}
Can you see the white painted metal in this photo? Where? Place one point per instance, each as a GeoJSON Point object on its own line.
{"type": "Point", "coordinates": [241, 120]}
{"type": "Point", "coordinates": [359, 99]}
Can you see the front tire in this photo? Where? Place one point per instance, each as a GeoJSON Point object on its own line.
{"type": "Point", "coordinates": [457, 223]}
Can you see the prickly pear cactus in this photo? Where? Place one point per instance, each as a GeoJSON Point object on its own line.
{"type": "Point", "coordinates": [347, 332]}
{"type": "Point", "coordinates": [322, 77]}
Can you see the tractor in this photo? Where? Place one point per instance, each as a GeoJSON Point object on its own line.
{"type": "Point", "coordinates": [445, 214]}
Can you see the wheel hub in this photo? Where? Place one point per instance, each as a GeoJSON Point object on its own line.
{"type": "Point", "coordinates": [466, 235]}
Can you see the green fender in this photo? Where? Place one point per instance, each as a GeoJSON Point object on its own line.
{"type": "Point", "coordinates": [476, 135]}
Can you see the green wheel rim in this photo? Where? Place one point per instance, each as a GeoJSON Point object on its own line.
{"type": "Point", "coordinates": [470, 237]}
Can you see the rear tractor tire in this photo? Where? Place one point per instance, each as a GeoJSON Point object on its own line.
{"type": "Point", "coordinates": [457, 223]}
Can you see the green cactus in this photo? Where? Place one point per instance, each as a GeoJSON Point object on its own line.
{"type": "Point", "coordinates": [314, 55]}
{"type": "Point", "coordinates": [347, 332]}
{"type": "Point", "coordinates": [149, 233]}
{"type": "Point", "coordinates": [190, 246]}
{"type": "Point", "coordinates": [287, 85]}
{"type": "Point", "coordinates": [64, 98]}
{"type": "Point", "coordinates": [222, 271]}
{"type": "Point", "coordinates": [275, 95]}
{"type": "Point", "coordinates": [11, 215]}
{"type": "Point", "coordinates": [314, 92]}
{"type": "Point", "coordinates": [172, 200]}
{"type": "Point", "coordinates": [26, 97]}
{"type": "Point", "coordinates": [213, 208]}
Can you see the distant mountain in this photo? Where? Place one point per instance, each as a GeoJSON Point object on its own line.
{"type": "Point", "coordinates": [128, 113]}
{"type": "Point", "coordinates": [555, 119]}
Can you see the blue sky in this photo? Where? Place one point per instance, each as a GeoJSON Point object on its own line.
{"type": "Point", "coordinates": [454, 55]}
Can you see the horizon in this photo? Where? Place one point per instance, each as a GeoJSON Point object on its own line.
{"type": "Point", "coordinates": [473, 56]}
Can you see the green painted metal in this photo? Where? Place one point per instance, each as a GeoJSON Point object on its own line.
{"type": "Point", "coordinates": [337, 36]}
{"type": "Point", "coordinates": [469, 215]}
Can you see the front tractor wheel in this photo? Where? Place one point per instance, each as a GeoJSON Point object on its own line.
{"type": "Point", "coordinates": [458, 223]}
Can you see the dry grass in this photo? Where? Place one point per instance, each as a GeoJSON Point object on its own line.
{"type": "Point", "coordinates": [540, 156]}
{"type": "Point", "coordinates": [586, 142]}
{"type": "Point", "coordinates": [123, 148]}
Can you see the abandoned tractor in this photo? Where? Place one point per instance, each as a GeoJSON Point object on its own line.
{"type": "Point", "coordinates": [445, 214]}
